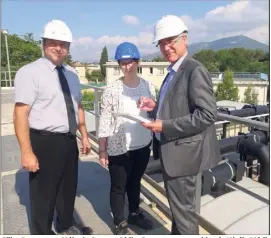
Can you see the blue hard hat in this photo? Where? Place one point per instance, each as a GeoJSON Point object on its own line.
{"type": "Point", "coordinates": [127, 50]}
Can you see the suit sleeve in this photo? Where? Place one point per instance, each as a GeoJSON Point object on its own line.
{"type": "Point", "coordinates": [202, 100]}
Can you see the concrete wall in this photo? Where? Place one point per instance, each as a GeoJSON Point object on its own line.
{"type": "Point", "coordinates": [81, 71]}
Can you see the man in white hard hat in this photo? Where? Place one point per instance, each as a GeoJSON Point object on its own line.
{"type": "Point", "coordinates": [184, 114]}
{"type": "Point", "coordinates": [47, 114]}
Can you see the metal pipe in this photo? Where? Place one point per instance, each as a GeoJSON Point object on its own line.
{"type": "Point", "coordinates": [223, 172]}
{"type": "Point", "coordinates": [247, 110]}
{"type": "Point", "coordinates": [9, 74]}
{"type": "Point", "coordinates": [259, 109]}
{"type": "Point", "coordinates": [224, 133]}
{"type": "Point", "coordinates": [255, 117]}
{"type": "Point", "coordinates": [259, 125]}
{"type": "Point", "coordinates": [229, 144]}
{"type": "Point", "coordinates": [261, 152]}
{"type": "Point", "coordinates": [226, 145]}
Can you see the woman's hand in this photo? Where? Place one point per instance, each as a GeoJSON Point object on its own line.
{"type": "Point", "coordinates": [103, 158]}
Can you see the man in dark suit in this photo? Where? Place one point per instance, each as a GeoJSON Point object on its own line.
{"type": "Point", "coordinates": [184, 117]}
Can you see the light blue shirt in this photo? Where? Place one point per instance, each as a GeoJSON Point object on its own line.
{"type": "Point", "coordinates": [172, 69]}
{"type": "Point", "coordinates": [37, 84]}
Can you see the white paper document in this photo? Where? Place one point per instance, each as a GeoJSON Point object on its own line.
{"type": "Point", "coordinates": [131, 117]}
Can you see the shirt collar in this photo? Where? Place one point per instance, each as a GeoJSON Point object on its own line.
{"type": "Point", "coordinates": [177, 64]}
{"type": "Point", "coordinates": [50, 65]}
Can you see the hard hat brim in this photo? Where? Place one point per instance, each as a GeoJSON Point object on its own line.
{"type": "Point", "coordinates": [51, 38]}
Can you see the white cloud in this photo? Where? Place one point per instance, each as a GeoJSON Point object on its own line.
{"type": "Point", "coordinates": [250, 18]}
{"type": "Point", "coordinates": [130, 20]}
{"type": "Point", "coordinates": [87, 48]}
{"type": "Point", "coordinates": [240, 17]}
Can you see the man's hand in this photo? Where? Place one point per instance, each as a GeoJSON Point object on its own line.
{"type": "Point", "coordinates": [154, 126]}
{"type": "Point", "coordinates": [30, 162]}
{"type": "Point", "coordinates": [86, 146]}
{"type": "Point", "coordinates": [145, 104]}
{"type": "Point", "coordinates": [103, 158]}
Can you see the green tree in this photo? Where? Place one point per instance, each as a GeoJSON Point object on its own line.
{"type": "Point", "coordinates": [208, 59]}
{"type": "Point", "coordinates": [88, 100]}
{"type": "Point", "coordinates": [94, 76]}
{"type": "Point", "coordinates": [68, 60]}
{"type": "Point", "coordinates": [251, 97]}
{"type": "Point", "coordinates": [227, 90]}
{"type": "Point", "coordinates": [103, 60]}
{"type": "Point", "coordinates": [158, 59]}
{"type": "Point", "coordinates": [21, 52]}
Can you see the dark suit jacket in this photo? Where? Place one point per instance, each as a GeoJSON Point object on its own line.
{"type": "Point", "coordinates": [188, 140]}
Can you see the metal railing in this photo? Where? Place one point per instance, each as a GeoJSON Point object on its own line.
{"type": "Point", "coordinates": [205, 224]}
{"type": "Point", "coordinates": [240, 75]}
{"type": "Point", "coordinates": [95, 109]}
{"type": "Point", "coordinates": [226, 120]}
{"type": "Point", "coordinates": [256, 124]}
{"type": "Point", "coordinates": [7, 82]}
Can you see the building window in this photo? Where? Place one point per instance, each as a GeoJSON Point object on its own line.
{"type": "Point", "coordinates": [116, 71]}
{"type": "Point", "coordinates": [161, 71]}
{"type": "Point", "coordinates": [151, 70]}
{"type": "Point", "coordinates": [139, 70]}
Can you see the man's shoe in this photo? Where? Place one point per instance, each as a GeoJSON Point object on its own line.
{"type": "Point", "coordinates": [122, 229]}
{"type": "Point", "coordinates": [71, 231]}
{"type": "Point", "coordinates": [75, 230]}
{"type": "Point", "coordinates": [86, 230]}
{"type": "Point", "coordinates": [139, 219]}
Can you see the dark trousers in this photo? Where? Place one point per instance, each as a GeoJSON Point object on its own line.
{"type": "Point", "coordinates": [181, 194]}
{"type": "Point", "coordinates": [126, 172]}
{"type": "Point", "coordinates": [54, 184]}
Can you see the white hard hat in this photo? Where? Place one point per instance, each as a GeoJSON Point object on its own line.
{"type": "Point", "coordinates": [168, 26]}
{"type": "Point", "coordinates": [57, 30]}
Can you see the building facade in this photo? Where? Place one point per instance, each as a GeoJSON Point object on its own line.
{"type": "Point", "coordinates": [155, 72]}
{"type": "Point", "coordinates": [81, 70]}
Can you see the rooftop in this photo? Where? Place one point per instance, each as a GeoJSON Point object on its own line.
{"type": "Point", "coordinates": [231, 105]}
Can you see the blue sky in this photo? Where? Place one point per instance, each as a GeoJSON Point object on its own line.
{"type": "Point", "coordinates": [97, 23]}
{"type": "Point", "coordinates": [97, 18]}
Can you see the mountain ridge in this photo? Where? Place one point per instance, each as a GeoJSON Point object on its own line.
{"type": "Point", "coordinates": [238, 41]}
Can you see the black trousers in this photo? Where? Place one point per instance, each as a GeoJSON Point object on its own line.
{"type": "Point", "coordinates": [54, 184]}
{"type": "Point", "coordinates": [126, 171]}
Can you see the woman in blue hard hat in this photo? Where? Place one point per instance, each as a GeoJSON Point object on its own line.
{"type": "Point", "coordinates": [124, 145]}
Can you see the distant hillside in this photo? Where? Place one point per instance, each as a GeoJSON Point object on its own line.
{"type": "Point", "coordinates": [239, 41]}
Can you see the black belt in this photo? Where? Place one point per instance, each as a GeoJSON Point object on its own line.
{"type": "Point", "coordinates": [51, 133]}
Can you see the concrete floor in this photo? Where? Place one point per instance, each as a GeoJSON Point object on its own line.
{"type": "Point", "coordinates": [92, 206]}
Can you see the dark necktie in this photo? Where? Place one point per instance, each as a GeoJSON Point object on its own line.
{"type": "Point", "coordinates": [68, 100]}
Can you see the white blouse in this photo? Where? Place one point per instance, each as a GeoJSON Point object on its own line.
{"type": "Point", "coordinates": [137, 136]}
{"type": "Point", "coordinates": [123, 134]}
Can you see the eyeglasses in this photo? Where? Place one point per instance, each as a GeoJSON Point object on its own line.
{"type": "Point", "coordinates": [170, 43]}
{"type": "Point", "coordinates": [125, 64]}
{"type": "Point", "coordinates": [54, 43]}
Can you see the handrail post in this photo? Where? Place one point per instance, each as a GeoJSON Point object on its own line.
{"type": "Point", "coordinates": [257, 124]}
